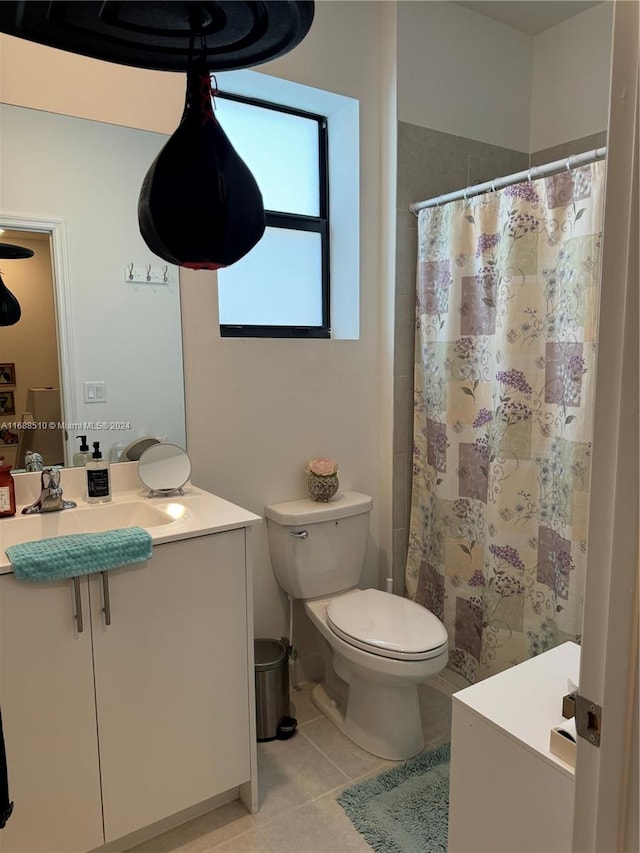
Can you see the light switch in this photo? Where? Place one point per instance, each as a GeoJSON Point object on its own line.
{"type": "Point", "coordinates": [95, 392]}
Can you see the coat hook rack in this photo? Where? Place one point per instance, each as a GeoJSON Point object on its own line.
{"type": "Point", "coordinates": [148, 274]}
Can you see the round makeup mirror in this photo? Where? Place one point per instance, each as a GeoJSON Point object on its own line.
{"type": "Point", "coordinates": [164, 468]}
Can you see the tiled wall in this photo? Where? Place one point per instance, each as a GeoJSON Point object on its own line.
{"type": "Point", "coordinates": [576, 146]}
{"type": "Point", "coordinates": [432, 163]}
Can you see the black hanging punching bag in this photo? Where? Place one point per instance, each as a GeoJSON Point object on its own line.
{"type": "Point", "coordinates": [10, 311]}
{"type": "Point", "coordinates": [200, 206]}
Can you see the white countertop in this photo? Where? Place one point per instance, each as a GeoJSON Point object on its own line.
{"type": "Point", "coordinates": [525, 702]}
{"type": "Point", "coordinates": [195, 513]}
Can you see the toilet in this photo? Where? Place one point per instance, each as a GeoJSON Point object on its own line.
{"type": "Point", "coordinates": [377, 646]}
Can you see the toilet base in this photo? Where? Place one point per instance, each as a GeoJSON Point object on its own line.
{"type": "Point", "coordinates": [384, 721]}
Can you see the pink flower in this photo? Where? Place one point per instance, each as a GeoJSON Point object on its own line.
{"type": "Point", "coordinates": [322, 467]}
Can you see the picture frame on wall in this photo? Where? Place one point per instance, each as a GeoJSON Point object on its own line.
{"type": "Point", "coordinates": [7, 403]}
{"type": "Point", "coordinates": [7, 374]}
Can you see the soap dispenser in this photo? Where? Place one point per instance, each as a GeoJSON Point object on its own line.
{"type": "Point", "coordinates": [83, 455]}
{"type": "Point", "coordinates": [98, 477]}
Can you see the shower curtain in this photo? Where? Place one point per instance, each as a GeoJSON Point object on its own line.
{"type": "Point", "coordinates": [506, 321]}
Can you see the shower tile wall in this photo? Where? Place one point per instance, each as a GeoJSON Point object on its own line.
{"type": "Point", "coordinates": [432, 163]}
{"type": "Point", "coordinates": [576, 146]}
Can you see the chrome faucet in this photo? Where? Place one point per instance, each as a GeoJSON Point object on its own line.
{"type": "Point", "coordinates": [50, 499]}
{"type": "Point", "coordinates": [33, 461]}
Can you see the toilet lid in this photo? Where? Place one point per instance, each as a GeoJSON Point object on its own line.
{"type": "Point", "coordinates": [387, 625]}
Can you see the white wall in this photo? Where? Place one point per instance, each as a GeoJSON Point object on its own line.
{"type": "Point", "coordinates": [571, 70]}
{"type": "Point", "coordinates": [48, 79]}
{"type": "Point", "coordinates": [463, 73]}
{"type": "Point", "coordinates": [258, 409]}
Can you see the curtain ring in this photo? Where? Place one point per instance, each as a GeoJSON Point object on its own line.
{"type": "Point", "coordinates": [464, 195]}
{"type": "Point", "coordinates": [529, 178]}
{"type": "Point", "coordinates": [569, 159]}
{"type": "Point", "coordinates": [493, 185]}
{"type": "Point", "coordinates": [438, 201]}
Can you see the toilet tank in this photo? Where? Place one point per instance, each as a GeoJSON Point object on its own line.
{"type": "Point", "coordinates": [318, 548]}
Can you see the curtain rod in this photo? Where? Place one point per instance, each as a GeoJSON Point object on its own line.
{"type": "Point", "coordinates": [531, 174]}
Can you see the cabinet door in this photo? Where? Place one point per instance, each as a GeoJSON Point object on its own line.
{"type": "Point", "coordinates": [171, 680]}
{"type": "Point", "coordinates": [49, 719]}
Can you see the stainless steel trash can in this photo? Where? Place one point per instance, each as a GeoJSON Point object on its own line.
{"type": "Point", "coordinates": [272, 689]}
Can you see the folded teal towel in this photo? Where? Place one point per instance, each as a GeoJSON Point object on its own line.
{"type": "Point", "coordinates": [78, 554]}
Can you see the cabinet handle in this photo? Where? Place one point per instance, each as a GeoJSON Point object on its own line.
{"type": "Point", "coordinates": [78, 597]}
{"type": "Point", "coordinates": [105, 595]}
{"type": "Point", "coordinates": [299, 534]}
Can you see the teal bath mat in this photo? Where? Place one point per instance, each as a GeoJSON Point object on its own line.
{"type": "Point", "coordinates": [405, 809]}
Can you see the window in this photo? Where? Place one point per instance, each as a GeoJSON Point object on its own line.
{"type": "Point", "coordinates": [281, 288]}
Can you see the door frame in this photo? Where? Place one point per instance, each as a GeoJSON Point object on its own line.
{"type": "Point", "coordinates": [606, 779]}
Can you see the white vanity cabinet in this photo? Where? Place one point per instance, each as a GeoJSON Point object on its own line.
{"type": "Point", "coordinates": [171, 677]}
{"type": "Point", "coordinates": [125, 724]}
{"type": "Point", "coordinates": [49, 719]}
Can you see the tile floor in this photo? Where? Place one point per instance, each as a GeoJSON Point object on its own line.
{"type": "Point", "coordinates": [299, 781]}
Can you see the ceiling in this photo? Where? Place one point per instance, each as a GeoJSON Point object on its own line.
{"type": "Point", "coordinates": [530, 16]}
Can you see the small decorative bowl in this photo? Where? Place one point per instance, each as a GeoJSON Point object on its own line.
{"type": "Point", "coordinates": [322, 487]}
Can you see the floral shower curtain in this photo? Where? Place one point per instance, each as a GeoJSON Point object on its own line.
{"type": "Point", "coordinates": [507, 308]}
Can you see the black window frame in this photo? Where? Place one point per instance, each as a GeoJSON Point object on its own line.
{"type": "Point", "coordinates": [296, 222]}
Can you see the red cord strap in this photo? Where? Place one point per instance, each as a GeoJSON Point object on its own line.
{"type": "Point", "coordinates": [207, 93]}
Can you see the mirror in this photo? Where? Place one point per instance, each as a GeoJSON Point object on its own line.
{"type": "Point", "coordinates": [164, 468]}
{"type": "Point", "coordinates": [73, 184]}
{"type": "Point", "coordinates": [134, 451]}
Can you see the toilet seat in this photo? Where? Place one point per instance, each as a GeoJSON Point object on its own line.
{"type": "Point", "coordinates": [386, 625]}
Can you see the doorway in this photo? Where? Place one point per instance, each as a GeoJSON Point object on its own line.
{"type": "Point", "coordinates": [31, 415]}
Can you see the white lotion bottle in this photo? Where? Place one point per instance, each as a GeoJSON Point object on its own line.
{"type": "Point", "coordinates": [98, 477]}
{"type": "Point", "coordinates": [83, 455]}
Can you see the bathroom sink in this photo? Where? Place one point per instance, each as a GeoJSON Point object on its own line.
{"type": "Point", "coordinates": [29, 528]}
{"type": "Point", "coordinates": [91, 519]}
{"type": "Point", "coordinates": [95, 519]}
